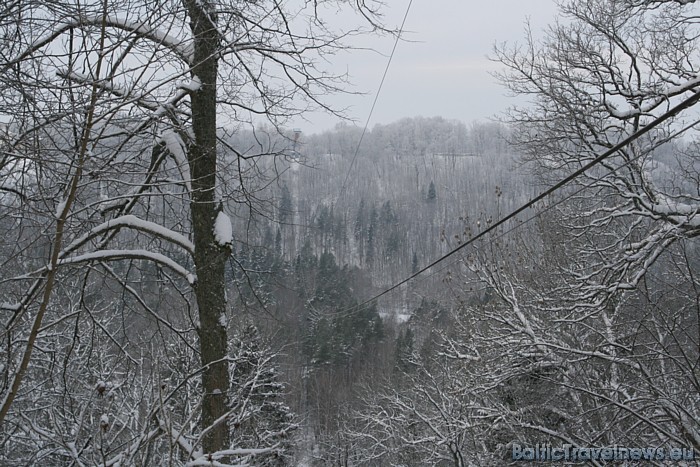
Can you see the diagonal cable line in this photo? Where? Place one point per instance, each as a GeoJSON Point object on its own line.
{"type": "Point", "coordinates": [553, 205]}
{"type": "Point", "coordinates": [376, 98]}
{"type": "Point", "coordinates": [687, 103]}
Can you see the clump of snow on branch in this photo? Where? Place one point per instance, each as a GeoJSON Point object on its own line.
{"type": "Point", "coordinates": [104, 422]}
{"type": "Point", "coordinates": [176, 146]}
{"type": "Point", "coordinates": [223, 232]}
{"type": "Point", "coordinates": [184, 49]}
{"type": "Point", "coordinates": [193, 85]}
{"type": "Point", "coordinates": [105, 255]}
{"type": "Point", "coordinates": [223, 320]}
{"type": "Point", "coordinates": [60, 208]}
{"type": "Point", "coordinates": [133, 222]}
{"type": "Point", "coordinates": [10, 306]}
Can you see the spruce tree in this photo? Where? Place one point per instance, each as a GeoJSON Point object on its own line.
{"type": "Point", "coordinates": [262, 420]}
{"type": "Point", "coordinates": [431, 192]}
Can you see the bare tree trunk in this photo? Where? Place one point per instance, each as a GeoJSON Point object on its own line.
{"type": "Point", "coordinates": [132, 56]}
{"type": "Point", "coordinates": [209, 256]}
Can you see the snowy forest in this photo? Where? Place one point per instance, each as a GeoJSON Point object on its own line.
{"type": "Point", "coordinates": [186, 280]}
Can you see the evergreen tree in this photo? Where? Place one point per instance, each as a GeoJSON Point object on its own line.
{"type": "Point", "coordinates": [307, 259]}
{"type": "Point", "coordinates": [360, 220]}
{"type": "Point", "coordinates": [331, 287]}
{"type": "Point", "coordinates": [268, 239]}
{"type": "Point", "coordinates": [262, 420]}
{"type": "Point", "coordinates": [278, 245]}
{"type": "Point", "coordinates": [432, 195]}
{"type": "Point", "coordinates": [304, 270]}
{"type": "Point", "coordinates": [388, 217]}
{"type": "Point", "coordinates": [285, 209]}
{"type": "Point", "coordinates": [359, 230]}
{"type": "Point", "coordinates": [371, 237]}
{"type": "Point", "coordinates": [324, 220]}
{"type": "Point", "coordinates": [337, 329]}
{"type": "Point", "coordinates": [404, 350]}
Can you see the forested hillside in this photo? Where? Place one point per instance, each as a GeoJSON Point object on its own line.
{"type": "Point", "coordinates": [341, 223]}
{"type": "Point", "coordinates": [185, 281]}
{"type": "Point", "coordinates": [403, 194]}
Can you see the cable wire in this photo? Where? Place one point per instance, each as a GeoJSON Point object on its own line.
{"type": "Point", "coordinates": [376, 98]}
{"type": "Point", "coordinates": [656, 122]}
{"type": "Point", "coordinates": [551, 206]}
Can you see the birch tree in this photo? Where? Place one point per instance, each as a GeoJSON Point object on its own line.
{"type": "Point", "coordinates": [112, 163]}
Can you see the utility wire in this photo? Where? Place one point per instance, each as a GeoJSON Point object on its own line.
{"type": "Point", "coordinates": [551, 206]}
{"type": "Point", "coordinates": [656, 122]}
{"type": "Point", "coordinates": [376, 98]}
{"type": "Point", "coordinates": [547, 208]}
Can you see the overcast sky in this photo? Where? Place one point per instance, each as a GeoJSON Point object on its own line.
{"type": "Point", "coordinates": [444, 69]}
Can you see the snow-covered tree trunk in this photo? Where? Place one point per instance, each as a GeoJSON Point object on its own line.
{"type": "Point", "coordinates": [211, 251]}
{"type": "Point", "coordinates": [112, 142]}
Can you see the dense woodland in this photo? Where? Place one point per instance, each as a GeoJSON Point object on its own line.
{"type": "Point", "coordinates": [318, 251]}
{"type": "Point", "coordinates": [182, 289]}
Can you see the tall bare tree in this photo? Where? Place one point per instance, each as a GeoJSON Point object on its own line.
{"type": "Point", "coordinates": [111, 134]}
{"type": "Point", "coordinates": [585, 330]}
{"type": "Point", "coordinates": [596, 78]}
{"type": "Point", "coordinates": [607, 311]}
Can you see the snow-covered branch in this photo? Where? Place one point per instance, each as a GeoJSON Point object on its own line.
{"type": "Point", "coordinates": [107, 255]}
{"type": "Point", "coordinates": [180, 47]}
{"type": "Point", "coordinates": [131, 222]}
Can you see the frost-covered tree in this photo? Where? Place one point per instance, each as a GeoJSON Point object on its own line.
{"type": "Point", "coordinates": [622, 374]}
{"type": "Point", "coordinates": [596, 78]}
{"type": "Point", "coordinates": [613, 320]}
{"type": "Point", "coordinates": [261, 417]}
{"type": "Point", "coordinates": [436, 412]}
{"type": "Point", "coordinates": [431, 192]}
{"type": "Point", "coordinates": [113, 172]}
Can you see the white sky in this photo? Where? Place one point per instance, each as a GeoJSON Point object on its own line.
{"type": "Point", "coordinates": [443, 70]}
